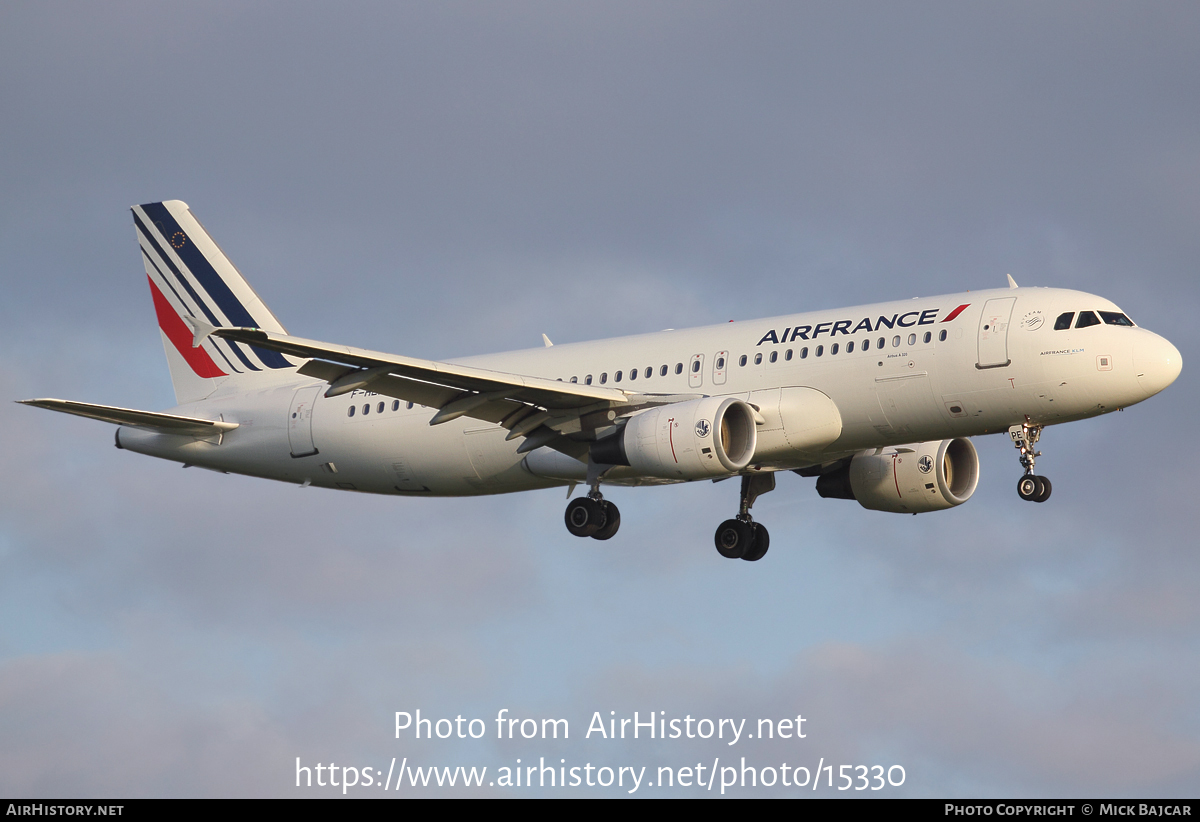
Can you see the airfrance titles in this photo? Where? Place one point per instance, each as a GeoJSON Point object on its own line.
{"type": "Point", "coordinates": [849, 327]}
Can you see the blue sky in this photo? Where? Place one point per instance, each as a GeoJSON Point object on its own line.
{"type": "Point", "coordinates": [451, 179]}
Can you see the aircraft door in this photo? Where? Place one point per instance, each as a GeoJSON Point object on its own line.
{"type": "Point", "coordinates": [993, 333]}
{"type": "Point", "coordinates": [696, 371]}
{"type": "Point", "coordinates": [300, 436]}
{"type": "Point", "coordinates": [720, 367]}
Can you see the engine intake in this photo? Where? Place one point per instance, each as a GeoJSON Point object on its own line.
{"type": "Point", "coordinates": [697, 439]}
{"type": "Point", "coordinates": [929, 476]}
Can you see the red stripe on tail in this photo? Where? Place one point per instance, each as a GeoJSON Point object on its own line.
{"type": "Point", "coordinates": [181, 336]}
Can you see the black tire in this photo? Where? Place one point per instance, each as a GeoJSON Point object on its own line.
{"type": "Point", "coordinates": [1044, 492]}
{"type": "Point", "coordinates": [1028, 487]}
{"type": "Point", "coordinates": [733, 538]}
{"type": "Point", "coordinates": [612, 521]}
{"type": "Point", "coordinates": [759, 544]}
{"type": "Point", "coordinates": [584, 517]}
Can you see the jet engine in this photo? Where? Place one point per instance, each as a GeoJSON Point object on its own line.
{"type": "Point", "coordinates": [697, 439]}
{"type": "Point", "coordinates": [928, 476]}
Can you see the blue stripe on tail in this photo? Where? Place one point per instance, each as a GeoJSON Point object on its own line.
{"type": "Point", "coordinates": [210, 280]}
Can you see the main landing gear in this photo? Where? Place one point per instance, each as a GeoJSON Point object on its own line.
{"type": "Point", "coordinates": [593, 516]}
{"type": "Point", "coordinates": [742, 537]}
{"type": "Point", "coordinates": [1030, 487]}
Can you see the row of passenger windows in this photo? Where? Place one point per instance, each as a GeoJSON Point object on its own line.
{"type": "Point", "coordinates": [663, 370]}
{"type": "Point", "coordinates": [864, 345]}
{"type": "Point", "coordinates": [379, 408]}
{"type": "Point", "coordinates": [1087, 318]}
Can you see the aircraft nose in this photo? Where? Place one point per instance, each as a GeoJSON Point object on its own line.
{"type": "Point", "coordinates": [1156, 361]}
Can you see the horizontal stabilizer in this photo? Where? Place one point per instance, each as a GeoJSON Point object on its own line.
{"type": "Point", "coordinates": [165, 423]}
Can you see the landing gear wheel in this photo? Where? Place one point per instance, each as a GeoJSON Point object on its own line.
{"type": "Point", "coordinates": [612, 521]}
{"type": "Point", "coordinates": [734, 538]}
{"type": "Point", "coordinates": [584, 517]}
{"type": "Point", "coordinates": [1044, 493]}
{"type": "Point", "coordinates": [1028, 487]}
{"type": "Point", "coordinates": [759, 544]}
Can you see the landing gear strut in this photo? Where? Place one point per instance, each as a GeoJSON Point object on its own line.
{"type": "Point", "coordinates": [1030, 487]}
{"type": "Point", "coordinates": [593, 516]}
{"type": "Point", "coordinates": [742, 537]}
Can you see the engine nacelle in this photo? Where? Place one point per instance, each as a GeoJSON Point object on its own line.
{"type": "Point", "coordinates": [697, 439]}
{"type": "Point", "coordinates": [929, 476]}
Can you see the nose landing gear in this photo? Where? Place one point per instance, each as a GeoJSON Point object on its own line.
{"type": "Point", "coordinates": [1030, 487]}
{"type": "Point", "coordinates": [742, 537]}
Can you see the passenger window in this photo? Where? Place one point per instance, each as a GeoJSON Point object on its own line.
{"type": "Point", "coordinates": [1064, 321]}
{"type": "Point", "coordinates": [678, 368]}
{"type": "Point", "coordinates": [410, 405]}
{"type": "Point", "coordinates": [787, 355]}
{"type": "Point", "coordinates": [896, 341]}
{"type": "Point", "coordinates": [833, 349]}
{"type": "Point", "coordinates": [820, 350]}
{"type": "Point", "coordinates": [1115, 318]}
{"type": "Point", "coordinates": [927, 337]}
{"type": "Point", "coordinates": [720, 363]}
{"type": "Point", "coordinates": [850, 347]}
{"type": "Point", "coordinates": [617, 377]}
{"type": "Point", "coordinates": [379, 408]}
{"type": "Point", "coordinates": [758, 359]}
{"type": "Point", "coordinates": [366, 409]}
{"type": "Point", "coordinates": [880, 343]}
{"type": "Point", "coordinates": [1086, 318]}
{"type": "Point", "coordinates": [742, 361]}
{"type": "Point", "coordinates": [912, 339]}
{"type": "Point", "coordinates": [350, 411]}
{"type": "Point", "coordinates": [575, 379]}
{"type": "Point", "coordinates": [649, 371]}
{"type": "Point", "coordinates": [632, 373]}
{"type": "Point", "coordinates": [587, 380]}
{"type": "Point", "coordinates": [395, 405]}
{"type": "Point", "coordinates": [942, 335]}
{"type": "Point", "coordinates": [662, 372]}
{"type": "Point", "coordinates": [696, 367]}
{"type": "Point", "coordinates": [804, 353]}
{"type": "Point", "coordinates": [866, 345]}
{"type": "Point", "coordinates": [774, 356]}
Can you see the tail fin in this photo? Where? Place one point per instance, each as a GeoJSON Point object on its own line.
{"type": "Point", "coordinates": [191, 277]}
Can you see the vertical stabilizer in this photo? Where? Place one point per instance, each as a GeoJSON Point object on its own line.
{"type": "Point", "coordinates": [190, 277]}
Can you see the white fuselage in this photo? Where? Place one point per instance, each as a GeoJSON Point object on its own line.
{"type": "Point", "coordinates": [1001, 363]}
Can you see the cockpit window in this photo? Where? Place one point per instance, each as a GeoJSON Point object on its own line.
{"type": "Point", "coordinates": [1064, 321]}
{"type": "Point", "coordinates": [1115, 318]}
{"type": "Point", "coordinates": [1086, 318]}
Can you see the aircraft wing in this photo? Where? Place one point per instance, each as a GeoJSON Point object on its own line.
{"type": "Point", "coordinates": [540, 409]}
{"type": "Point", "coordinates": [166, 423]}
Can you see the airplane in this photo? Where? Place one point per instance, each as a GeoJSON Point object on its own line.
{"type": "Point", "coordinates": [877, 402]}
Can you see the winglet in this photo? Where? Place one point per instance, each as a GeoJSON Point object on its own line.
{"type": "Point", "coordinates": [200, 330]}
{"type": "Point", "coordinates": [1011, 282]}
{"type": "Point", "coordinates": [546, 340]}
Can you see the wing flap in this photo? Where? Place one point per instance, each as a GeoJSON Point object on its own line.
{"type": "Point", "coordinates": [165, 423]}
